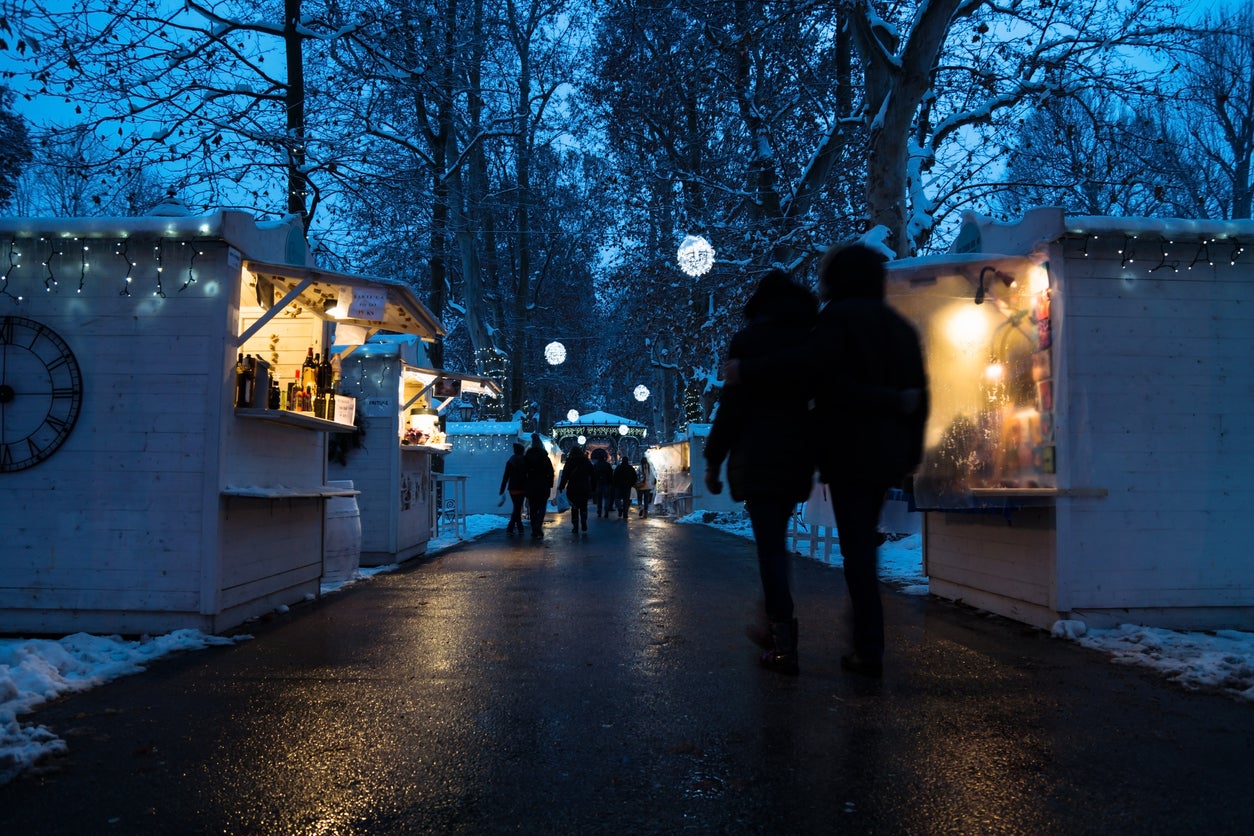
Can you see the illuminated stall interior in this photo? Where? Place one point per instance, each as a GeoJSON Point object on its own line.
{"type": "Point", "coordinates": [985, 328]}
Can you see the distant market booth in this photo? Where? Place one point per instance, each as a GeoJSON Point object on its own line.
{"type": "Point", "coordinates": [1090, 443]}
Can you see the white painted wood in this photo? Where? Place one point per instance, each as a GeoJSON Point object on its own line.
{"type": "Point", "coordinates": [1154, 402]}
{"type": "Point", "coordinates": [128, 528]}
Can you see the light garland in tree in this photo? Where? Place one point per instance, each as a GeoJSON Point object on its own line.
{"type": "Point", "coordinates": [695, 256]}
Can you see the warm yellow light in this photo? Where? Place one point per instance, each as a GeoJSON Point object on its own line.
{"type": "Point", "coordinates": [967, 328]}
{"type": "Point", "coordinates": [994, 372]}
{"type": "Point", "coordinates": [1038, 279]}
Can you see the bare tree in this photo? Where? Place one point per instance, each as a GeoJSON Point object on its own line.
{"type": "Point", "coordinates": [1217, 109]}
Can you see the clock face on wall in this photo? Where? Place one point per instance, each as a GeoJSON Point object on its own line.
{"type": "Point", "coordinates": [41, 392]}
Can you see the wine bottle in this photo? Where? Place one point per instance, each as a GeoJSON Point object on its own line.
{"type": "Point", "coordinates": [324, 374]}
{"type": "Point", "coordinates": [250, 379]}
{"type": "Point", "coordinates": [239, 381]}
{"type": "Point", "coordinates": [309, 370]}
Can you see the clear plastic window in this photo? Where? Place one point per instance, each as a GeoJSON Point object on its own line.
{"type": "Point", "coordinates": [990, 375]}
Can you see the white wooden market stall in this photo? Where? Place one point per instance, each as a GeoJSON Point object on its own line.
{"type": "Point", "coordinates": [1092, 430]}
{"type": "Point", "coordinates": [479, 452]}
{"type": "Point", "coordinates": [394, 464]}
{"type": "Point", "coordinates": [138, 493]}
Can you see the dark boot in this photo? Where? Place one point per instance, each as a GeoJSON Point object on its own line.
{"type": "Point", "coordinates": [782, 656]}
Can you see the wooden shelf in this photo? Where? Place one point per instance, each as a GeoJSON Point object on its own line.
{"type": "Point", "coordinates": [1036, 493]}
{"type": "Point", "coordinates": [424, 448]}
{"type": "Point", "coordinates": [300, 420]}
{"type": "Point", "coordinates": [286, 492]}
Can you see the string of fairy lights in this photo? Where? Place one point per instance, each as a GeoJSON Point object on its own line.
{"type": "Point", "coordinates": [82, 260]}
{"type": "Point", "coordinates": [1154, 254]}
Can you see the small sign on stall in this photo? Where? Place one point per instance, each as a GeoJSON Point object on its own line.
{"type": "Point", "coordinates": [367, 304]}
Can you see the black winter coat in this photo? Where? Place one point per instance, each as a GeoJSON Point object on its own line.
{"type": "Point", "coordinates": [515, 476]}
{"type": "Point", "coordinates": [624, 477]}
{"type": "Point", "coordinates": [870, 393]}
{"type": "Point", "coordinates": [539, 471]}
{"type": "Point", "coordinates": [577, 479]}
{"type": "Point", "coordinates": [604, 473]}
{"type": "Point", "coordinates": [764, 432]}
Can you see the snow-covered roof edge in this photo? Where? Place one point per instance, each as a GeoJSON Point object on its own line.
{"type": "Point", "coordinates": [1031, 234]}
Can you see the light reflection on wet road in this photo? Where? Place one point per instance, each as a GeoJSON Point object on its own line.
{"type": "Point", "coordinates": [602, 684]}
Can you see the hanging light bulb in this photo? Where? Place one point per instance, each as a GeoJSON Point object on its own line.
{"type": "Point", "coordinates": [572, 416]}
{"type": "Point", "coordinates": [641, 392]}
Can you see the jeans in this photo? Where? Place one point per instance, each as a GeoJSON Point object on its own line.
{"type": "Point", "coordinates": [769, 518]}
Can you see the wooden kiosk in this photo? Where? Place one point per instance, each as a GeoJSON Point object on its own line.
{"type": "Point", "coordinates": [401, 400]}
{"type": "Point", "coordinates": [1092, 428]}
{"type": "Point", "coordinates": [139, 492]}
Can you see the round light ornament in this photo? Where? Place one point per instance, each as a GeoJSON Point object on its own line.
{"type": "Point", "coordinates": [572, 416]}
{"type": "Point", "coordinates": [695, 255]}
{"type": "Point", "coordinates": [641, 392]}
{"type": "Point", "coordinates": [555, 353]}
{"type": "Point", "coordinates": [622, 429]}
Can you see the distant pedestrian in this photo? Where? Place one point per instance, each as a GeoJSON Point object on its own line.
{"type": "Point", "coordinates": [624, 480]}
{"type": "Point", "coordinates": [646, 486]}
{"type": "Point", "coordinates": [539, 484]}
{"type": "Point", "coordinates": [576, 481]}
{"type": "Point", "coordinates": [769, 477]}
{"type": "Point", "coordinates": [515, 481]}
{"type": "Point", "coordinates": [604, 473]}
{"type": "Point", "coordinates": [871, 399]}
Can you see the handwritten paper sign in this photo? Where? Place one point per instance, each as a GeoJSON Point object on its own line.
{"type": "Point", "coordinates": [367, 303]}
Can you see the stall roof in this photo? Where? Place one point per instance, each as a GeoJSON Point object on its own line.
{"type": "Point", "coordinates": [321, 290]}
{"type": "Point", "coordinates": [599, 419]}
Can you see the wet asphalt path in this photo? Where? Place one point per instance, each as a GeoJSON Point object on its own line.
{"type": "Point", "coordinates": [603, 684]}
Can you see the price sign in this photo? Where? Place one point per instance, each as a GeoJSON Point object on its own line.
{"type": "Point", "coordinates": [367, 303]}
{"type": "Point", "coordinates": [378, 407]}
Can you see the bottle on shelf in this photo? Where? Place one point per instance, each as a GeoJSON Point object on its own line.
{"type": "Point", "coordinates": [293, 393]}
{"type": "Point", "coordinates": [309, 370]}
{"type": "Point", "coordinates": [245, 377]}
{"type": "Point", "coordinates": [239, 381]}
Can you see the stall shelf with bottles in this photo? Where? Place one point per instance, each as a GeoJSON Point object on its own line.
{"type": "Point", "coordinates": [1091, 420]}
{"type": "Point", "coordinates": [154, 485]}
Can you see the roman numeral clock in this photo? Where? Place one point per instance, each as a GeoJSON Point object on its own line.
{"type": "Point", "coordinates": [41, 392]}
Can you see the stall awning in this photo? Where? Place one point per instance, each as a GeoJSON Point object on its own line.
{"type": "Point", "coordinates": [366, 302]}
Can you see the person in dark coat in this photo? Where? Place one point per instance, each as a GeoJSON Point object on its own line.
{"type": "Point", "coordinates": [577, 481]}
{"type": "Point", "coordinates": [604, 473]}
{"type": "Point", "coordinates": [624, 481]}
{"type": "Point", "coordinates": [871, 400]}
{"type": "Point", "coordinates": [539, 483]}
{"type": "Point", "coordinates": [770, 475]}
{"type": "Point", "coordinates": [515, 481]}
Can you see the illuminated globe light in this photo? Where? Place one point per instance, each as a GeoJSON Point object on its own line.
{"type": "Point", "coordinates": [622, 429]}
{"type": "Point", "coordinates": [695, 255]}
{"type": "Point", "coordinates": [583, 439]}
{"type": "Point", "coordinates": [641, 392]}
{"type": "Point", "coordinates": [555, 353]}
{"type": "Point", "coordinates": [573, 416]}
